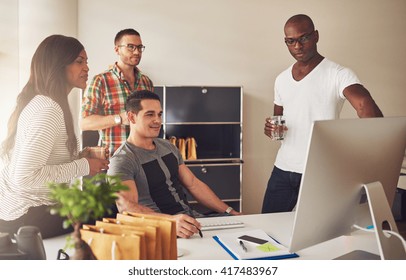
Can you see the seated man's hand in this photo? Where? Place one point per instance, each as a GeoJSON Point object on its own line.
{"type": "Point", "coordinates": [186, 226]}
{"type": "Point", "coordinates": [235, 213]}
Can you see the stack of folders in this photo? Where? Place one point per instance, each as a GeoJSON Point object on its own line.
{"type": "Point", "coordinates": [252, 244]}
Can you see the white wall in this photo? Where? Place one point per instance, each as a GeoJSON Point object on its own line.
{"type": "Point", "coordinates": [240, 42]}
{"type": "Point", "coordinates": [223, 42]}
{"type": "Point", "coordinates": [50, 17]}
{"type": "Point", "coordinates": [23, 25]}
{"type": "Point", "coordinates": [8, 61]}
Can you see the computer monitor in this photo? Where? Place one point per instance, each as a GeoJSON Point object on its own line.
{"type": "Point", "coordinates": [342, 156]}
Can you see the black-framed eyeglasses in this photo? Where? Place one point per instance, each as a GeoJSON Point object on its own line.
{"type": "Point", "coordinates": [132, 47]}
{"type": "Point", "coordinates": [301, 40]}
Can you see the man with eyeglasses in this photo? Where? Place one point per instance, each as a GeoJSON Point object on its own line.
{"type": "Point", "coordinates": [103, 104]}
{"type": "Point", "coordinates": [313, 88]}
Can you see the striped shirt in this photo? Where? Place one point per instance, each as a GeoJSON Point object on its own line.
{"type": "Point", "coordinates": [40, 155]}
{"type": "Point", "coordinates": [106, 95]}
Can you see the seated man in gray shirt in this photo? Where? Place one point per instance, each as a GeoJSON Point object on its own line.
{"type": "Point", "coordinates": [154, 170]}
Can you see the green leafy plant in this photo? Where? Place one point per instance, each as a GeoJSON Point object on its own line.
{"type": "Point", "coordinates": [82, 202]}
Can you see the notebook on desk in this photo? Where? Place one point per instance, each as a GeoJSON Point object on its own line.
{"type": "Point", "coordinates": [251, 245]}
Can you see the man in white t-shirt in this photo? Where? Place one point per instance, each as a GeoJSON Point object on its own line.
{"type": "Point", "coordinates": [313, 88]}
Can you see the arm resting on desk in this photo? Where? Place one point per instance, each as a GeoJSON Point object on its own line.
{"type": "Point", "coordinates": [186, 226]}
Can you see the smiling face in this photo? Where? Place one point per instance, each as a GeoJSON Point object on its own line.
{"type": "Point", "coordinates": [301, 40]}
{"type": "Point", "coordinates": [77, 72]}
{"type": "Point", "coordinates": [126, 56]}
{"type": "Point", "coordinates": [147, 123]}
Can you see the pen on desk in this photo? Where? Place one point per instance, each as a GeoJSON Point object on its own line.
{"type": "Point", "coordinates": [243, 246]}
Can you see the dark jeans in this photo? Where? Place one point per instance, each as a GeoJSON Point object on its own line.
{"type": "Point", "coordinates": [49, 225]}
{"type": "Point", "coordinates": [282, 191]}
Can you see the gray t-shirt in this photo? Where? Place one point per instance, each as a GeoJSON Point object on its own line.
{"type": "Point", "coordinates": [156, 175]}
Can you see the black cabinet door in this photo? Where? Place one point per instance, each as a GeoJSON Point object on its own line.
{"type": "Point", "coordinates": [224, 180]}
{"type": "Point", "coordinates": [203, 104]}
{"type": "Point", "coordinates": [159, 90]}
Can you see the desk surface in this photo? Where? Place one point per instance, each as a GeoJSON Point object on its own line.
{"type": "Point", "coordinates": [402, 182]}
{"type": "Point", "coordinates": [277, 225]}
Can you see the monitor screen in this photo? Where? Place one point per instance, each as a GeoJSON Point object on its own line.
{"type": "Point", "coordinates": [342, 156]}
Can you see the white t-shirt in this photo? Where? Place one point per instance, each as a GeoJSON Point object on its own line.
{"type": "Point", "coordinates": [318, 96]}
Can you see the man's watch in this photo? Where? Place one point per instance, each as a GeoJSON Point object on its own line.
{"type": "Point", "coordinates": [117, 119]}
{"type": "Point", "coordinates": [228, 210]}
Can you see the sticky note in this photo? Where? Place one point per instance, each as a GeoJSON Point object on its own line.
{"type": "Point", "coordinates": [267, 247]}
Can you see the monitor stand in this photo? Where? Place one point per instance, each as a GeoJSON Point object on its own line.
{"type": "Point", "coordinates": [390, 246]}
{"type": "Point", "coordinates": [358, 255]}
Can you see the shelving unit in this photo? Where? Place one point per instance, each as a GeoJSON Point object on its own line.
{"type": "Point", "coordinates": [213, 116]}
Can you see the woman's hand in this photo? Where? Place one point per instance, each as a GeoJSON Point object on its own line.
{"type": "Point", "coordinates": [97, 165]}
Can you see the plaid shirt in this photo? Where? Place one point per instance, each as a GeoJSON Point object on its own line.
{"type": "Point", "coordinates": [106, 95]}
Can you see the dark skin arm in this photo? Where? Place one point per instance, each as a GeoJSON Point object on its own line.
{"type": "Point", "coordinates": [277, 111]}
{"type": "Point", "coordinates": [359, 98]}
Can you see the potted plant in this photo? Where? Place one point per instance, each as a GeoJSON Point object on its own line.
{"type": "Point", "coordinates": [82, 202]}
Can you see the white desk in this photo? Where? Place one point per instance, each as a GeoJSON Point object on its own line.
{"type": "Point", "coordinates": [278, 225]}
{"type": "Point", "coordinates": [402, 182]}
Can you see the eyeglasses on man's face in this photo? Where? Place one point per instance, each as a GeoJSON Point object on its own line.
{"type": "Point", "coordinates": [301, 40]}
{"type": "Point", "coordinates": [132, 47]}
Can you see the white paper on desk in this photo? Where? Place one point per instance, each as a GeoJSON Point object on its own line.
{"type": "Point", "coordinates": [270, 249]}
